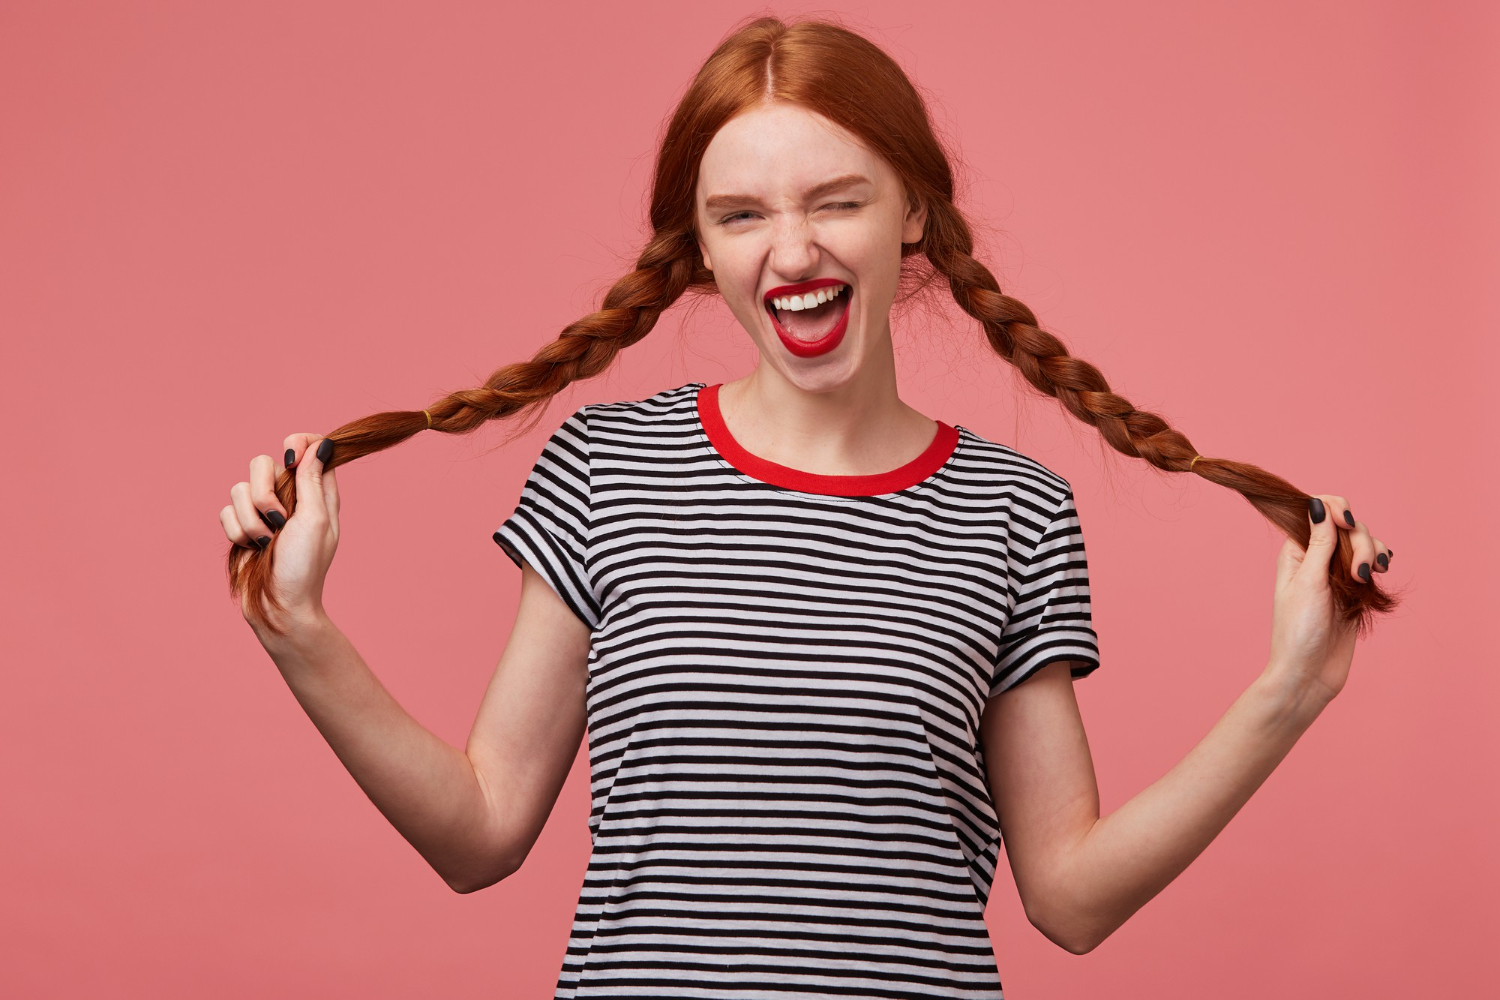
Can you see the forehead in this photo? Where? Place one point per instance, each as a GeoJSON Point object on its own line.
{"type": "Point", "coordinates": [781, 149]}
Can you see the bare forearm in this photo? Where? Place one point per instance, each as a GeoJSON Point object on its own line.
{"type": "Point", "coordinates": [425, 787]}
{"type": "Point", "coordinates": [1130, 855]}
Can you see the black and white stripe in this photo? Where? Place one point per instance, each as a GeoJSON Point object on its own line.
{"type": "Point", "coordinates": [788, 793]}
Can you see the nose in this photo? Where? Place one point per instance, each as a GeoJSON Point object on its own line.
{"type": "Point", "coordinates": [794, 247]}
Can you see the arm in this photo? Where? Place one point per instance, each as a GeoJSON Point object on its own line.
{"type": "Point", "coordinates": [471, 815]}
{"type": "Point", "coordinates": [425, 787]}
{"type": "Point", "coordinates": [1081, 877]}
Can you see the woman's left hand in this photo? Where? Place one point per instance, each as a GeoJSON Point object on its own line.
{"type": "Point", "coordinates": [1310, 648]}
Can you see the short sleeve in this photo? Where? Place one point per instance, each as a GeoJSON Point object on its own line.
{"type": "Point", "coordinates": [550, 526]}
{"type": "Point", "coordinates": [1051, 619]}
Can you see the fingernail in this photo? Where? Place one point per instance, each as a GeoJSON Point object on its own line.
{"type": "Point", "coordinates": [1349, 517]}
{"type": "Point", "coordinates": [1384, 560]}
{"type": "Point", "coordinates": [291, 456]}
{"type": "Point", "coordinates": [263, 541]}
{"type": "Point", "coordinates": [1389, 553]}
{"type": "Point", "coordinates": [325, 450]}
{"type": "Point", "coordinates": [1364, 571]}
{"type": "Point", "coordinates": [274, 519]}
{"type": "Point", "coordinates": [1315, 510]}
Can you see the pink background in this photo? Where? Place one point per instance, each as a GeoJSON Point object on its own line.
{"type": "Point", "coordinates": [1274, 224]}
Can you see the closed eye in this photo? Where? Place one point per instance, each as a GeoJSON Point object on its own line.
{"type": "Point", "coordinates": [736, 215]}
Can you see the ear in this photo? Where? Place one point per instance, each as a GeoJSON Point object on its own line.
{"type": "Point", "coordinates": [703, 252]}
{"type": "Point", "coordinates": [913, 225]}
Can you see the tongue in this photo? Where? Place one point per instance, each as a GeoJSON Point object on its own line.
{"type": "Point", "coordinates": [810, 324]}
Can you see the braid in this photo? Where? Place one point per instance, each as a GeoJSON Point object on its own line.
{"type": "Point", "coordinates": [1012, 330]}
{"type": "Point", "coordinates": [586, 347]}
{"type": "Point", "coordinates": [1044, 361]}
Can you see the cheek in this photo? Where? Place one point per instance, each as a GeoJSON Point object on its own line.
{"type": "Point", "coordinates": [877, 261]}
{"type": "Point", "coordinates": [738, 279]}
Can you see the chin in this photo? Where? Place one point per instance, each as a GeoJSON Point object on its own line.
{"type": "Point", "coordinates": [819, 375]}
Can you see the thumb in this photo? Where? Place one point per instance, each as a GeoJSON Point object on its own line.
{"type": "Point", "coordinates": [331, 496]}
{"type": "Point", "coordinates": [310, 477]}
{"type": "Point", "coordinates": [1323, 535]}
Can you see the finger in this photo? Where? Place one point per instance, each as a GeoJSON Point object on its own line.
{"type": "Point", "coordinates": [251, 524]}
{"type": "Point", "coordinates": [295, 446]}
{"type": "Point", "coordinates": [1322, 536]}
{"type": "Point", "coordinates": [237, 535]}
{"type": "Point", "coordinates": [1289, 560]}
{"type": "Point", "coordinates": [328, 477]}
{"type": "Point", "coordinates": [1382, 557]}
{"type": "Point", "coordinates": [263, 492]}
{"type": "Point", "coordinates": [331, 497]}
{"type": "Point", "coordinates": [310, 480]}
{"type": "Point", "coordinates": [1339, 508]}
{"type": "Point", "coordinates": [1362, 565]}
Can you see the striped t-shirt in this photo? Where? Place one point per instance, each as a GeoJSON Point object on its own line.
{"type": "Point", "coordinates": [784, 692]}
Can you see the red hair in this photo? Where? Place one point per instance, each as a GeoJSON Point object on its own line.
{"type": "Point", "coordinates": [846, 78]}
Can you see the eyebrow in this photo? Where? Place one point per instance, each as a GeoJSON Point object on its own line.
{"type": "Point", "coordinates": [719, 202]}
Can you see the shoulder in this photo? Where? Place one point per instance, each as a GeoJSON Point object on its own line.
{"type": "Point", "coordinates": [668, 401]}
{"type": "Point", "coordinates": [671, 411]}
{"type": "Point", "coordinates": [1014, 476]}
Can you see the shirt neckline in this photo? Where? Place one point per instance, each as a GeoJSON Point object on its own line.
{"type": "Point", "coordinates": [733, 454]}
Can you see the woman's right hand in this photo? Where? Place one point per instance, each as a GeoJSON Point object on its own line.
{"type": "Point", "coordinates": [305, 541]}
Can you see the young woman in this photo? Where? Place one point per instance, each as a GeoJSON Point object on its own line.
{"type": "Point", "coordinates": [823, 644]}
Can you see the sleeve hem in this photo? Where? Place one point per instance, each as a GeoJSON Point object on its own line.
{"type": "Point", "coordinates": [515, 543]}
{"type": "Point", "coordinates": [1043, 646]}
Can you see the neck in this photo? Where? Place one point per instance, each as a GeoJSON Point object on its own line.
{"type": "Point", "coordinates": [852, 427]}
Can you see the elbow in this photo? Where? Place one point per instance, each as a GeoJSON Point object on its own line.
{"type": "Point", "coordinates": [494, 859]}
{"type": "Point", "coordinates": [463, 884]}
{"type": "Point", "coordinates": [1080, 946]}
{"type": "Point", "coordinates": [1072, 935]}
{"type": "Point", "coordinates": [1070, 943]}
{"type": "Point", "coordinates": [464, 888]}
{"type": "Point", "coordinates": [1074, 943]}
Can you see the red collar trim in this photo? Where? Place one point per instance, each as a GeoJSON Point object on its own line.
{"type": "Point", "coordinates": [908, 475]}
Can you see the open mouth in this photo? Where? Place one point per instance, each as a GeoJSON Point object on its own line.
{"type": "Point", "coordinates": [810, 315]}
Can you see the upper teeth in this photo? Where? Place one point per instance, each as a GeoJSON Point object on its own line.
{"type": "Point", "coordinates": [811, 300]}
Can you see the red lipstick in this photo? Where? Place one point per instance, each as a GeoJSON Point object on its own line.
{"type": "Point", "coordinates": [825, 343]}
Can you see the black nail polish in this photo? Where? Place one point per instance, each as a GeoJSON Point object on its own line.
{"type": "Point", "coordinates": [1315, 510]}
{"type": "Point", "coordinates": [1349, 518]}
{"type": "Point", "coordinates": [263, 541]}
{"type": "Point", "coordinates": [1389, 553]}
{"type": "Point", "coordinates": [274, 519]}
{"type": "Point", "coordinates": [325, 450]}
{"type": "Point", "coordinates": [291, 456]}
{"type": "Point", "coordinates": [1383, 559]}
{"type": "Point", "coordinates": [1364, 571]}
